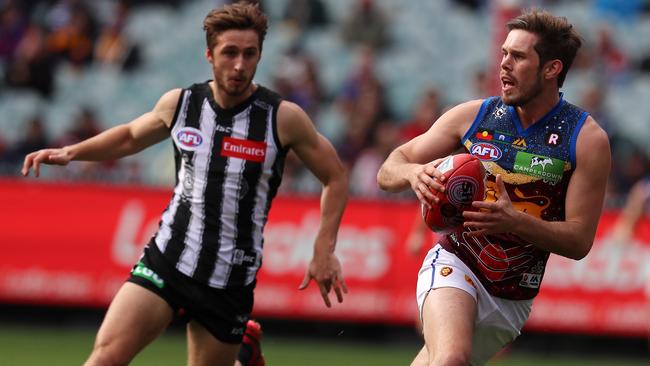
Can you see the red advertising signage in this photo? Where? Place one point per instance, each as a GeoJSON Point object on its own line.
{"type": "Point", "coordinates": [75, 244]}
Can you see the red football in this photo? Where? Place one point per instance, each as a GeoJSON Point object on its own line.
{"type": "Point", "coordinates": [464, 183]}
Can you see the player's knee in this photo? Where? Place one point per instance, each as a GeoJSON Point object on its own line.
{"type": "Point", "coordinates": [104, 354]}
{"type": "Point", "coordinates": [456, 359]}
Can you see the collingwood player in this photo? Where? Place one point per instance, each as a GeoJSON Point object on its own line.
{"type": "Point", "coordinates": [230, 137]}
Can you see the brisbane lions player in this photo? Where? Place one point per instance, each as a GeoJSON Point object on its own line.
{"type": "Point", "coordinates": [547, 163]}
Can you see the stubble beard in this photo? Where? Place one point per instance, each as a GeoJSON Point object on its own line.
{"type": "Point", "coordinates": [525, 96]}
{"type": "Point", "coordinates": [234, 92]}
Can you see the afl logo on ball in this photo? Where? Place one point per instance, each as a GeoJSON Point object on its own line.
{"type": "Point", "coordinates": [189, 138]}
{"type": "Point", "coordinates": [461, 190]}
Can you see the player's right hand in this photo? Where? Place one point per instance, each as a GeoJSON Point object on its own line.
{"type": "Point", "coordinates": [423, 182]}
{"type": "Point", "coordinates": [45, 156]}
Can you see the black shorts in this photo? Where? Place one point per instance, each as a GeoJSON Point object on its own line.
{"type": "Point", "coordinates": [223, 312]}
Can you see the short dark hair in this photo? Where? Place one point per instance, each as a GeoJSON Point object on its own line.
{"type": "Point", "coordinates": [242, 16]}
{"type": "Point", "coordinates": [558, 39]}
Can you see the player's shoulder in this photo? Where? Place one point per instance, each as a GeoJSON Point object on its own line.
{"type": "Point", "coordinates": [471, 106]}
{"type": "Point", "coordinates": [291, 113]}
{"type": "Point", "coordinates": [293, 123]}
{"type": "Point", "coordinates": [593, 134]}
{"type": "Point", "coordinates": [171, 97]}
{"type": "Point", "coordinates": [461, 115]}
{"type": "Point", "coordinates": [592, 147]}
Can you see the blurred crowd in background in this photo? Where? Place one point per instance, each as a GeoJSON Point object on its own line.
{"type": "Point", "coordinates": [356, 111]}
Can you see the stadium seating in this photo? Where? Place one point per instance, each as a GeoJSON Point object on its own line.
{"type": "Point", "coordinates": [435, 44]}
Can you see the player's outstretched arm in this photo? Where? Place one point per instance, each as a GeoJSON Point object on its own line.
{"type": "Point", "coordinates": [573, 237]}
{"type": "Point", "coordinates": [297, 131]}
{"type": "Point", "coordinates": [114, 143]}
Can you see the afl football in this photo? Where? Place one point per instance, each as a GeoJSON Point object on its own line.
{"type": "Point", "coordinates": [464, 183]}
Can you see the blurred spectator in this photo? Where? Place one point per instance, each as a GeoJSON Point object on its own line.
{"type": "Point", "coordinates": [113, 47]}
{"type": "Point", "coordinates": [593, 101]}
{"type": "Point", "coordinates": [622, 10]}
{"type": "Point", "coordinates": [636, 206]}
{"type": "Point", "coordinates": [426, 112]}
{"type": "Point", "coordinates": [85, 126]}
{"type": "Point", "coordinates": [630, 166]}
{"type": "Point", "coordinates": [32, 65]}
{"type": "Point", "coordinates": [72, 32]}
{"type": "Point", "coordinates": [363, 176]}
{"type": "Point", "coordinates": [366, 24]}
{"type": "Point", "coordinates": [473, 5]}
{"type": "Point", "coordinates": [297, 80]}
{"type": "Point", "coordinates": [610, 60]}
{"type": "Point", "coordinates": [363, 105]}
{"type": "Point", "coordinates": [34, 139]}
{"type": "Point", "coordinates": [13, 25]}
{"type": "Point", "coordinates": [306, 14]}
{"type": "Point", "coordinates": [481, 86]}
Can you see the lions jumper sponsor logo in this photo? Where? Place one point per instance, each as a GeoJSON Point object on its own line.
{"type": "Point", "coordinates": [530, 280]}
{"type": "Point", "coordinates": [486, 152]}
{"type": "Point", "coordinates": [543, 167]}
{"type": "Point", "coordinates": [244, 149]}
{"type": "Point", "coordinates": [189, 138]}
{"type": "Point", "coordinates": [503, 138]}
{"type": "Point", "coordinates": [553, 138]}
{"type": "Point", "coordinates": [520, 143]}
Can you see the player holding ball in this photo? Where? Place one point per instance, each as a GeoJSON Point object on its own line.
{"type": "Point", "coordinates": [546, 165]}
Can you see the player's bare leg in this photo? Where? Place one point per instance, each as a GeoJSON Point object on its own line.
{"type": "Point", "coordinates": [203, 349]}
{"type": "Point", "coordinates": [448, 323]}
{"type": "Point", "coordinates": [422, 358]}
{"type": "Point", "coordinates": [135, 317]}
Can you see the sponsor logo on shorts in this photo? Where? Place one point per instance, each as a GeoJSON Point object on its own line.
{"type": "Point", "coordinates": [469, 280]}
{"type": "Point", "coordinates": [143, 271]}
{"type": "Point", "coordinates": [544, 167]}
{"type": "Point", "coordinates": [446, 271]}
{"type": "Point", "coordinates": [189, 138]}
{"type": "Point", "coordinates": [530, 280]}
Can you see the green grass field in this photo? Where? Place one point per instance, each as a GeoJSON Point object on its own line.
{"type": "Point", "coordinates": [27, 346]}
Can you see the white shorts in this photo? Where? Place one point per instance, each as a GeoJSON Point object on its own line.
{"type": "Point", "coordinates": [498, 321]}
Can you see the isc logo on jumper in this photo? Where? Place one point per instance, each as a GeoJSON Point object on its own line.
{"type": "Point", "coordinates": [485, 151]}
{"type": "Point", "coordinates": [189, 138]}
{"type": "Point", "coordinates": [243, 149]}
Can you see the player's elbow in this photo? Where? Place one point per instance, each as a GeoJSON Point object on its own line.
{"type": "Point", "coordinates": [383, 181]}
{"type": "Point", "coordinates": [338, 183]}
{"type": "Point", "coordinates": [581, 250]}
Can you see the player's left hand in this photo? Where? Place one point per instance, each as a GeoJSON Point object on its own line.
{"type": "Point", "coordinates": [326, 271]}
{"type": "Point", "coordinates": [492, 217]}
